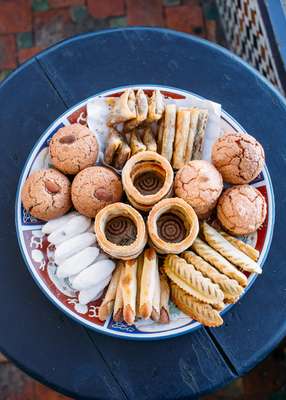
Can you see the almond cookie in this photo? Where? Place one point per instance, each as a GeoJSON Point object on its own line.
{"type": "Point", "coordinates": [238, 157]}
{"type": "Point", "coordinates": [73, 148]}
{"type": "Point", "coordinates": [94, 188]}
{"type": "Point", "coordinates": [46, 194]}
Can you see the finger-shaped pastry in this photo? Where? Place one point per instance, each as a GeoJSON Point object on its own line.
{"type": "Point", "coordinates": [140, 262]}
{"type": "Point", "coordinates": [192, 281]}
{"type": "Point", "coordinates": [155, 106]}
{"type": "Point", "coordinates": [226, 249]}
{"type": "Point", "coordinates": [155, 315]}
{"type": "Point", "coordinates": [118, 302]}
{"type": "Point", "coordinates": [181, 137]}
{"type": "Point", "coordinates": [123, 108]}
{"type": "Point", "coordinates": [160, 135]}
{"type": "Point", "coordinates": [136, 144]}
{"type": "Point", "coordinates": [172, 225]}
{"type": "Point", "coordinates": [120, 231]}
{"type": "Point", "coordinates": [107, 305]}
{"type": "Point", "coordinates": [141, 111]}
{"type": "Point", "coordinates": [164, 300]}
{"type": "Point", "coordinates": [214, 258]}
{"type": "Point", "coordinates": [250, 251]}
{"type": "Point", "coordinates": [200, 135]}
{"type": "Point", "coordinates": [148, 283]}
{"type": "Point", "coordinates": [192, 132]}
{"type": "Point", "coordinates": [122, 155]}
{"type": "Point", "coordinates": [147, 178]}
{"type": "Point", "coordinates": [230, 287]}
{"type": "Point", "coordinates": [129, 288]}
{"type": "Point", "coordinates": [169, 131]}
{"type": "Point", "coordinates": [149, 140]}
{"type": "Point", "coordinates": [198, 311]}
{"type": "Point", "coordinates": [114, 142]}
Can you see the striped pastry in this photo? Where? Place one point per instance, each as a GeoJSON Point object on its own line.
{"type": "Point", "coordinates": [240, 245]}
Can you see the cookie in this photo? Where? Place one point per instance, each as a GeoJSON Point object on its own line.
{"type": "Point", "coordinates": [73, 148]}
{"type": "Point", "coordinates": [46, 194]}
{"type": "Point", "coordinates": [94, 188]}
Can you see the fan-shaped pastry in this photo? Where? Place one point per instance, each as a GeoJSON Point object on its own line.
{"type": "Point", "coordinates": [147, 178]}
{"type": "Point", "coordinates": [172, 226]}
{"type": "Point", "coordinates": [120, 231]}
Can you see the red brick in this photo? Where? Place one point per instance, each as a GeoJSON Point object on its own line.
{"type": "Point", "coordinates": [105, 8]}
{"type": "Point", "coordinates": [15, 16]}
{"type": "Point", "coordinates": [185, 18]}
{"type": "Point", "coordinates": [65, 3]}
{"type": "Point", "coordinates": [142, 12]}
{"type": "Point", "coordinates": [8, 57]}
{"type": "Point", "coordinates": [25, 54]}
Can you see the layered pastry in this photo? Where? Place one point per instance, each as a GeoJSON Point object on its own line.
{"type": "Point", "coordinates": [241, 210]}
{"type": "Point", "coordinates": [120, 231]}
{"type": "Point", "coordinates": [200, 185]}
{"type": "Point", "coordinates": [147, 178]}
{"type": "Point", "coordinates": [172, 226]}
{"type": "Point", "coordinates": [46, 194]}
{"type": "Point", "coordinates": [73, 148]}
{"type": "Point", "coordinates": [124, 108]}
{"type": "Point", "coordinates": [94, 188]}
{"type": "Point", "coordinates": [238, 157]}
{"type": "Point", "coordinates": [117, 150]}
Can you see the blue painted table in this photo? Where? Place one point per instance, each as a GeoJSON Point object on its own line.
{"type": "Point", "coordinates": [35, 334]}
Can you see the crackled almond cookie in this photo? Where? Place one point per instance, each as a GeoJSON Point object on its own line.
{"type": "Point", "coordinates": [73, 148]}
{"type": "Point", "coordinates": [46, 194]}
{"type": "Point", "coordinates": [94, 188]}
{"type": "Point", "coordinates": [241, 209]}
{"type": "Point", "coordinates": [238, 157]}
{"type": "Point", "coordinates": [200, 185]}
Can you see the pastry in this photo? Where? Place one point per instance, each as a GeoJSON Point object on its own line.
{"type": "Point", "coordinates": [160, 135]}
{"type": "Point", "coordinates": [107, 304]}
{"type": "Point", "coordinates": [148, 139]}
{"type": "Point", "coordinates": [214, 258]}
{"type": "Point", "coordinates": [129, 289]}
{"type": "Point", "coordinates": [117, 151]}
{"type": "Point", "coordinates": [122, 155]}
{"type": "Point", "coordinates": [148, 283]}
{"type": "Point", "coordinates": [194, 117]}
{"type": "Point", "coordinates": [200, 185]}
{"type": "Point", "coordinates": [140, 262]}
{"type": "Point", "coordinates": [136, 144]}
{"type": "Point", "coordinates": [192, 281]}
{"type": "Point", "coordinates": [230, 287]}
{"type": "Point", "coordinates": [181, 138]}
{"type": "Point", "coordinates": [198, 311]}
{"type": "Point", "coordinates": [120, 231]}
{"type": "Point", "coordinates": [238, 157]}
{"type": "Point", "coordinates": [46, 194]}
{"type": "Point", "coordinates": [118, 302]}
{"type": "Point", "coordinates": [241, 210]}
{"type": "Point", "coordinates": [155, 314]}
{"type": "Point", "coordinates": [244, 247]}
{"type": "Point", "coordinates": [141, 111]}
{"type": "Point", "coordinates": [94, 188]}
{"type": "Point", "coordinates": [73, 148]}
{"type": "Point", "coordinates": [226, 249]}
{"type": "Point", "coordinates": [168, 134]}
{"type": "Point", "coordinates": [155, 106]}
{"type": "Point", "coordinates": [147, 178]}
{"type": "Point", "coordinates": [124, 108]}
{"type": "Point", "coordinates": [164, 300]}
{"type": "Point", "coordinates": [172, 226]}
{"type": "Point", "coordinates": [200, 135]}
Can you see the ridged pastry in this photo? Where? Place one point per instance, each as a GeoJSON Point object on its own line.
{"type": "Point", "coordinates": [129, 289]}
{"type": "Point", "coordinates": [198, 311]}
{"type": "Point", "coordinates": [230, 287]}
{"type": "Point", "coordinates": [244, 247]}
{"type": "Point", "coordinates": [192, 281]}
{"type": "Point", "coordinates": [214, 258]}
{"type": "Point", "coordinates": [200, 135]}
{"type": "Point", "coordinates": [147, 178]}
{"type": "Point", "coordinates": [124, 108]}
{"type": "Point", "coordinates": [107, 305]}
{"type": "Point", "coordinates": [148, 283]}
{"type": "Point", "coordinates": [141, 104]}
{"type": "Point", "coordinates": [125, 226]}
{"type": "Point", "coordinates": [172, 226]}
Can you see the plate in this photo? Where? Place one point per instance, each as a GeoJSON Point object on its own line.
{"type": "Point", "coordinates": [35, 251]}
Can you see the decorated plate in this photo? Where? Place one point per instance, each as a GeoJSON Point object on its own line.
{"type": "Point", "coordinates": [34, 245]}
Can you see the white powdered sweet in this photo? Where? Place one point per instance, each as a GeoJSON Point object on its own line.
{"type": "Point", "coordinates": [78, 262]}
{"type": "Point", "coordinates": [55, 224]}
{"type": "Point", "coordinates": [78, 224]}
{"type": "Point", "coordinates": [92, 275]}
{"type": "Point", "coordinates": [73, 246]}
{"type": "Point", "coordinates": [94, 292]}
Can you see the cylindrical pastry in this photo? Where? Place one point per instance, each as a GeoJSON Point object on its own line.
{"type": "Point", "coordinates": [147, 178]}
{"type": "Point", "coordinates": [172, 225]}
{"type": "Point", "coordinates": [120, 231]}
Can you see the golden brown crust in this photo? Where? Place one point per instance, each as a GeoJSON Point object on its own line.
{"type": "Point", "coordinates": [181, 137]}
{"type": "Point", "coordinates": [129, 289]}
{"type": "Point", "coordinates": [149, 139]}
{"type": "Point", "coordinates": [169, 131]}
{"type": "Point", "coordinates": [141, 111]}
{"type": "Point", "coordinates": [155, 315]}
{"type": "Point", "coordinates": [164, 300]}
{"type": "Point", "coordinates": [155, 106]}
{"type": "Point", "coordinates": [244, 247]}
{"type": "Point", "coordinates": [136, 144]}
{"type": "Point", "coordinates": [118, 302]}
{"type": "Point", "coordinates": [148, 283]}
{"type": "Point", "coordinates": [107, 305]}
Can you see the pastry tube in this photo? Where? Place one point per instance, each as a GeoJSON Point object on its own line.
{"type": "Point", "coordinates": [149, 140]}
{"type": "Point", "coordinates": [226, 249]}
{"type": "Point", "coordinates": [160, 135]}
{"type": "Point", "coordinates": [194, 116]}
{"type": "Point", "coordinates": [200, 135]}
{"type": "Point", "coordinates": [141, 111]}
{"type": "Point", "coordinates": [148, 283]}
{"type": "Point", "coordinates": [122, 155]}
{"type": "Point", "coordinates": [129, 288]}
{"type": "Point", "coordinates": [250, 251]}
{"type": "Point", "coordinates": [169, 131]}
{"type": "Point", "coordinates": [164, 300]}
{"type": "Point", "coordinates": [118, 302]}
{"type": "Point", "coordinates": [155, 315]}
{"type": "Point", "coordinates": [198, 311]}
{"type": "Point", "coordinates": [114, 142]}
{"type": "Point", "coordinates": [106, 306]}
{"type": "Point", "coordinates": [182, 133]}
{"type": "Point", "coordinates": [140, 261]}
{"type": "Point", "coordinates": [155, 106]}
{"type": "Point", "coordinates": [230, 287]}
{"type": "Point", "coordinates": [124, 108]}
{"type": "Point", "coordinates": [136, 143]}
{"type": "Point", "coordinates": [192, 281]}
{"type": "Point", "coordinates": [214, 258]}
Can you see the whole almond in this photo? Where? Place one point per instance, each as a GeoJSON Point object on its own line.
{"type": "Point", "coordinates": [103, 195]}
{"type": "Point", "coordinates": [52, 187]}
{"type": "Point", "coordinates": [67, 139]}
